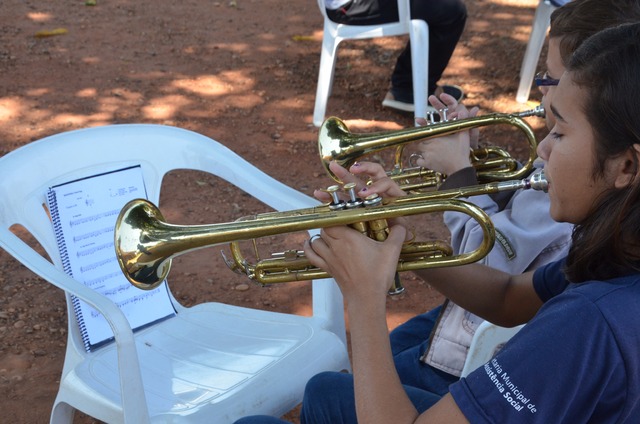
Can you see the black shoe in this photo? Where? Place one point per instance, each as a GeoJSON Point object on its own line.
{"type": "Point", "coordinates": [452, 90]}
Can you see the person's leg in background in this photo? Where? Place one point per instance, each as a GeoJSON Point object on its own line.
{"type": "Point", "coordinates": [446, 20]}
{"type": "Point", "coordinates": [409, 341]}
{"type": "Point", "coordinates": [414, 331]}
{"type": "Point", "coordinates": [261, 419]}
{"type": "Point", "coordinates": [329, 399]}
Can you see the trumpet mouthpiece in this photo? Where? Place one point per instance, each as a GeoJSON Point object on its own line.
{"type": "Point", "coordinates": [538, 181]}
{"type": "Point", "coordinates": [536, 111]}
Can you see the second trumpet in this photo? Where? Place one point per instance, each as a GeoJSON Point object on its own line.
{"type": "Point", "coordinates": [336, 143]}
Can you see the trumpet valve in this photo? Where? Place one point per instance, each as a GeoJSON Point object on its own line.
{"type": "Point", "coordinates": [373, 200]}
{"type": "Point", "coordinates": [396, 287]}
{"type": "Point", "coordinates": [378, 228]}
{"type": "Point", "coordinates": [336, 202]}
{"type": "Point", "coordinates": [354, 201]}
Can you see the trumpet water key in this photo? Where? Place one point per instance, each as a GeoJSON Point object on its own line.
{"type": "Point", "coordinates": [145, 244]}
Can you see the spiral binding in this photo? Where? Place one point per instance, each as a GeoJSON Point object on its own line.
{"type": "Point", "coordinates": [66, 264]}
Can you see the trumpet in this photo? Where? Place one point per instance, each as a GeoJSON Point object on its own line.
{"type": "Point", "coordinates": [145, 244]}
{"type": "Point", "coordinates": [336, 143]}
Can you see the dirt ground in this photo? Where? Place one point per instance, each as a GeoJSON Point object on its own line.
{"type": "Point", "coordinates": [242, 72]}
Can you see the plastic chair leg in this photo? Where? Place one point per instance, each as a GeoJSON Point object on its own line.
{"type": "Point", "coordinates": [419, 37]}
{"type": "Point", "coordinates": [534, 47]}
{"type": "Point", "coordinates": [62, 413]}
{"type": "Point", "coordinates": [325, 78]}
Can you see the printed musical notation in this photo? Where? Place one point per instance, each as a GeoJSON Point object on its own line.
{"type": "Point", "coordinates": [84, 213]}
{"type": "Point", "coordinates": [130, 301]}
{"type": "Point", "coordinates": [92, 234]}
{"type": "Point", "coordinates": [93, 218]}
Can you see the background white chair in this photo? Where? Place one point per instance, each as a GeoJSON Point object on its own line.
{"type": "Point", "coordinates": [210, 363]}
{"type": "Point", "coordinates": [534, 46]}
{"type": "Point", "coordinates": [487, 341]}
{"type": "Point", "coordinates": [334, 34]}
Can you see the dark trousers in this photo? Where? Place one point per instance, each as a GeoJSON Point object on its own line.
{"type": "Point", "coordinates": [446, 20]}
{"type": "Point", "coordinates": [329, 396]}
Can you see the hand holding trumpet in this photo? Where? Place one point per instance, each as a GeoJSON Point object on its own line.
{"type": "Point", "coordinates": [448, 102]}
{"type": "Point", "coordinates": [362, 267]}
{"type": "Point", "coordinates": [369, 177]}
{"type": "Point", "coordinates": [448, 154]}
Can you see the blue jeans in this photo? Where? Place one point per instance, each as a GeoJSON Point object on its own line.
{"type": "Point", "coordinates": [329, 396]}
{"type": "Point", "coordinates": [329, 399]}
{"type": "Point", "coordinates": [409, 341]}
{"type": "Point", "coordinates": [260, 419]}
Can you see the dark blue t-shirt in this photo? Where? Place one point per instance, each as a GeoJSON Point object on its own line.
{"type": "Point", "coordinates": [576, 361]}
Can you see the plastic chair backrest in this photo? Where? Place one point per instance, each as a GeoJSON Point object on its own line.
{"type": "Point", "coordinates": [487, 341]}
{"type": "Point", "coordinates": [539, 30]}
{"type": "Point", "coordinates": [335, 33]}
{"type": "Point", "coordinates": [25, 176]}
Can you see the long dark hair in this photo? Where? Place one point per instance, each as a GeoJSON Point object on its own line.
{"type": "Point", "coordinates": [607, 66]}
{"type": "Point", "coordinates": [577, 20]}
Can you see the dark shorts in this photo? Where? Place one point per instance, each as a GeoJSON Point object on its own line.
{"type": "Point", "coordinates": [364, 12]}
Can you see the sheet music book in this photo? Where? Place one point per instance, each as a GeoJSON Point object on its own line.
{"type": "Point", "coordinates": [84, 214]}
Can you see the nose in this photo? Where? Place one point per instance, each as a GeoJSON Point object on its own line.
{"type": "Point", "coordinates": [544, 148]}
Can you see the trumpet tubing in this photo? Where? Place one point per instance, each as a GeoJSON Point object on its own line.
{"type": "Point", "coordinates": [145, 244]}
{"type": "Point", "coordinates": [415, 177]}
{"type": "Point", "coordinates": [336, 143]}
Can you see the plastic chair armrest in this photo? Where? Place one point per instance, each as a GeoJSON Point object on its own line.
{"type": "Point", "coordinates": [132, 389]}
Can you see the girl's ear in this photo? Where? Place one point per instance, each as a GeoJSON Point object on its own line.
{"type": "Point", "coordinates": [628, 164]}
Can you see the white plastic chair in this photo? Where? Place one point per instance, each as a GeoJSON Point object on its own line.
{"type": "Point", "coordinates": [210, 363]}
{"type": "Point", "coordinates": [534, 47]}
{"type": "Point", "coordinates": [334, 33]}
{"type": "Point", "coordinates": [487, 341]}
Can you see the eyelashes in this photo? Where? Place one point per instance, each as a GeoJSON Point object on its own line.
{"type": "Point", "coordinates": [556, 135]}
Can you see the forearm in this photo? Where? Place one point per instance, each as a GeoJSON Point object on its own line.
{"type": "Point", "coordinates": [494, 295]}
{"type": "Point", "coordinates": [363, 269]}
{"type": "Point", "coordinates": [380, 397]}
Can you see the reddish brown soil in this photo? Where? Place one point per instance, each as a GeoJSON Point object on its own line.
{"type": "Point", "coordinates": [241, 72]}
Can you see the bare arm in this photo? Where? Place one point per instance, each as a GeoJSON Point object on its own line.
{"type": "Point", "coordinates": [501, 298]}
{"type": "Point", "coordinates": [364, 269]}
{"type": "Point", "coordinates": [380, 397]}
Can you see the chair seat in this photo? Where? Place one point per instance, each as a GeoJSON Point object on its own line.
{"type": "Point", "coordinates": [227, 347]}
{"type": "Point", "coordinates": [211, 362]}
